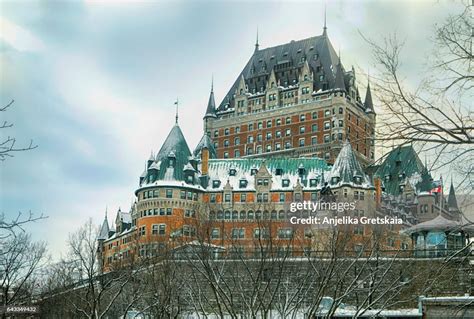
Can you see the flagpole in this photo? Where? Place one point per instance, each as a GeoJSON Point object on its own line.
{"type": "Point", "coordinates": [176, 103]}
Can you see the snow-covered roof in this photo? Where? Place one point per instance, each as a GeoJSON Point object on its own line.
{"type": "Point", "coordinates": [440, 223]}
{"type": "Point", "coordinates": [347, 170]}
{"type": "Point", "coordinates": [288, 169]}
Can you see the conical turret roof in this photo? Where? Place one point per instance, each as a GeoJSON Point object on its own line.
{"type": "Point", "coordinates": [339, 82]}
{"type": "Point", "coordinates": [173, 156]}
{"type": "Point", "coordinates": [205, 142]}
{"type": "Point", "coordinates": [452, 201]}
{"type": "Point", "coordinates": [211, 105]}
{"type": "Point", "coordinates": [104, 229]}
{"type": "Point", "coordinates": [347, 167]}
{"type": "Point", "coordinates": [368, 104]}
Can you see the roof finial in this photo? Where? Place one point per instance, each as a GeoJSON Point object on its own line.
{"type": "Point", "coordinates": [325, 26]}
{"type": "Point", "coordinates": [256, 42]}
{"type": "Point", "coordinates": [212, 83]}
{"type": "Point", "coordinates": [106, 211]}
{"type": "Point", "coordinates": [176, 103]}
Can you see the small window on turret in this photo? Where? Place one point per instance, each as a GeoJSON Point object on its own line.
{"type": "Point", "coordinates": [285, 182]}
{"type": "Point", "coordinates": [232, 171]}
{"type": "Point", "coordinates": [357, 180]}
{"type": "Point", "coordinates": [216, 183]}
{"type": "Point", "coordinates": [313, 182]}
{"type": "Point", "coordinates": [253, 171]}
{"type": "Point", "coordinates": [279, 171]}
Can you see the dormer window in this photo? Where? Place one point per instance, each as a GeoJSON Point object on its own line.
{"type": "Point", "coordinates": [335, 180]}
{"type": "Point", "coordinates": [285, 182]}
{"type": "Point", "coordinates": [253, 171]}
{"type": "Point", "coordinates": [357, 180]}
{"type": "Point", "coordinates": [301, 170]}
{"type": "Point", "coordinates": [216, 183]}
{"type": "Point", "coordinates": [313, 182]}
{"type": "Point", "coordinates": [243, 183]}
{"type": "Point", "coordinates": [232, 171]}
{"type": "Point", "coordinates": [387, 178]}
{"type": "Point", "coordinates": [279, 171]}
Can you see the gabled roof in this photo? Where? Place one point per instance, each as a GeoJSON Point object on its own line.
{"type": "Point", "coordinates": [346, 167]}
{"type": "Point", "coordinates": [205, 142]}
{"type": "Point", "coordinates": [404, 161]}
{"type": "Point", "coordinates": [318, 51]}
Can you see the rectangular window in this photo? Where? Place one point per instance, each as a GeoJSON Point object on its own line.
{"type": "Point", "coordinates": [302, 129]}
{"type": "Point", "coordinates": [215, 233]}
{"type": "Point", "coordinates": [169, 193]}
{"type": "Point", "coordinates": [282, 197]}
{"type": "Point", "coordinates": [238, 233]}
{"type": "Point", "coordinates": [169, 211]}
{"type": "Point", "coordinates": [326, 138]}
{"type": "Point", "coordinates": [301, 142]}
{"type": "Point", "coordinates": [227, 198]}
{"type": "Point", "coordinates": [182, 194]}
{"type": "Point", "coordinates": [285, 233]}
{"type": "Point", "coordinates": [243, 198]}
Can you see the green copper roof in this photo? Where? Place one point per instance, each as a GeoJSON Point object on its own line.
{"type": "Point", "coordinates": [402, 161]}
{"type": "Point", "coordinates": [346, 167]}
{"type": "Point", "coordinates": [173, 156]}
{"type": "Point", "coordinates": [205, 142]}
{"type": "Point", "coordinates": [287, 165]}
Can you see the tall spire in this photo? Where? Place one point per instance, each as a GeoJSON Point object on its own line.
{"type": "Point", "coordinates": [325, 26]}
{"type": "Point", "coordinates": [104, 229]}
{"type": "Point", "coordinates": [339, 80]}
{"type": "Point", "coordinates": [368, 104]}
{"type": "Point", "coordinates": [176, 103]}
{"type": "Point", "coordinates": [256, 42]}
{"type": "Point", "coordinates": [211, 105]}
{"type": "Point", "coordinates": [452, 201]}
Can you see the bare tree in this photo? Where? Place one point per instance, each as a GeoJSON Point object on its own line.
{"type": "Point", "coordinates": [438, 122]}
{"type": "Point", "coordinates": [78, 280]}
{"type": "Point", "coordinates": [20, 261]}
{"type": "Point", "coordinates": [8, 145]}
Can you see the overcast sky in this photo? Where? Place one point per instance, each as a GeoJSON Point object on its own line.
{"type": "Point", "coordinates": [94, 84]}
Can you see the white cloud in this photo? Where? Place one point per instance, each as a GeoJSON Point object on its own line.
{"type": "Point", "coordinates": [18, 37]}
